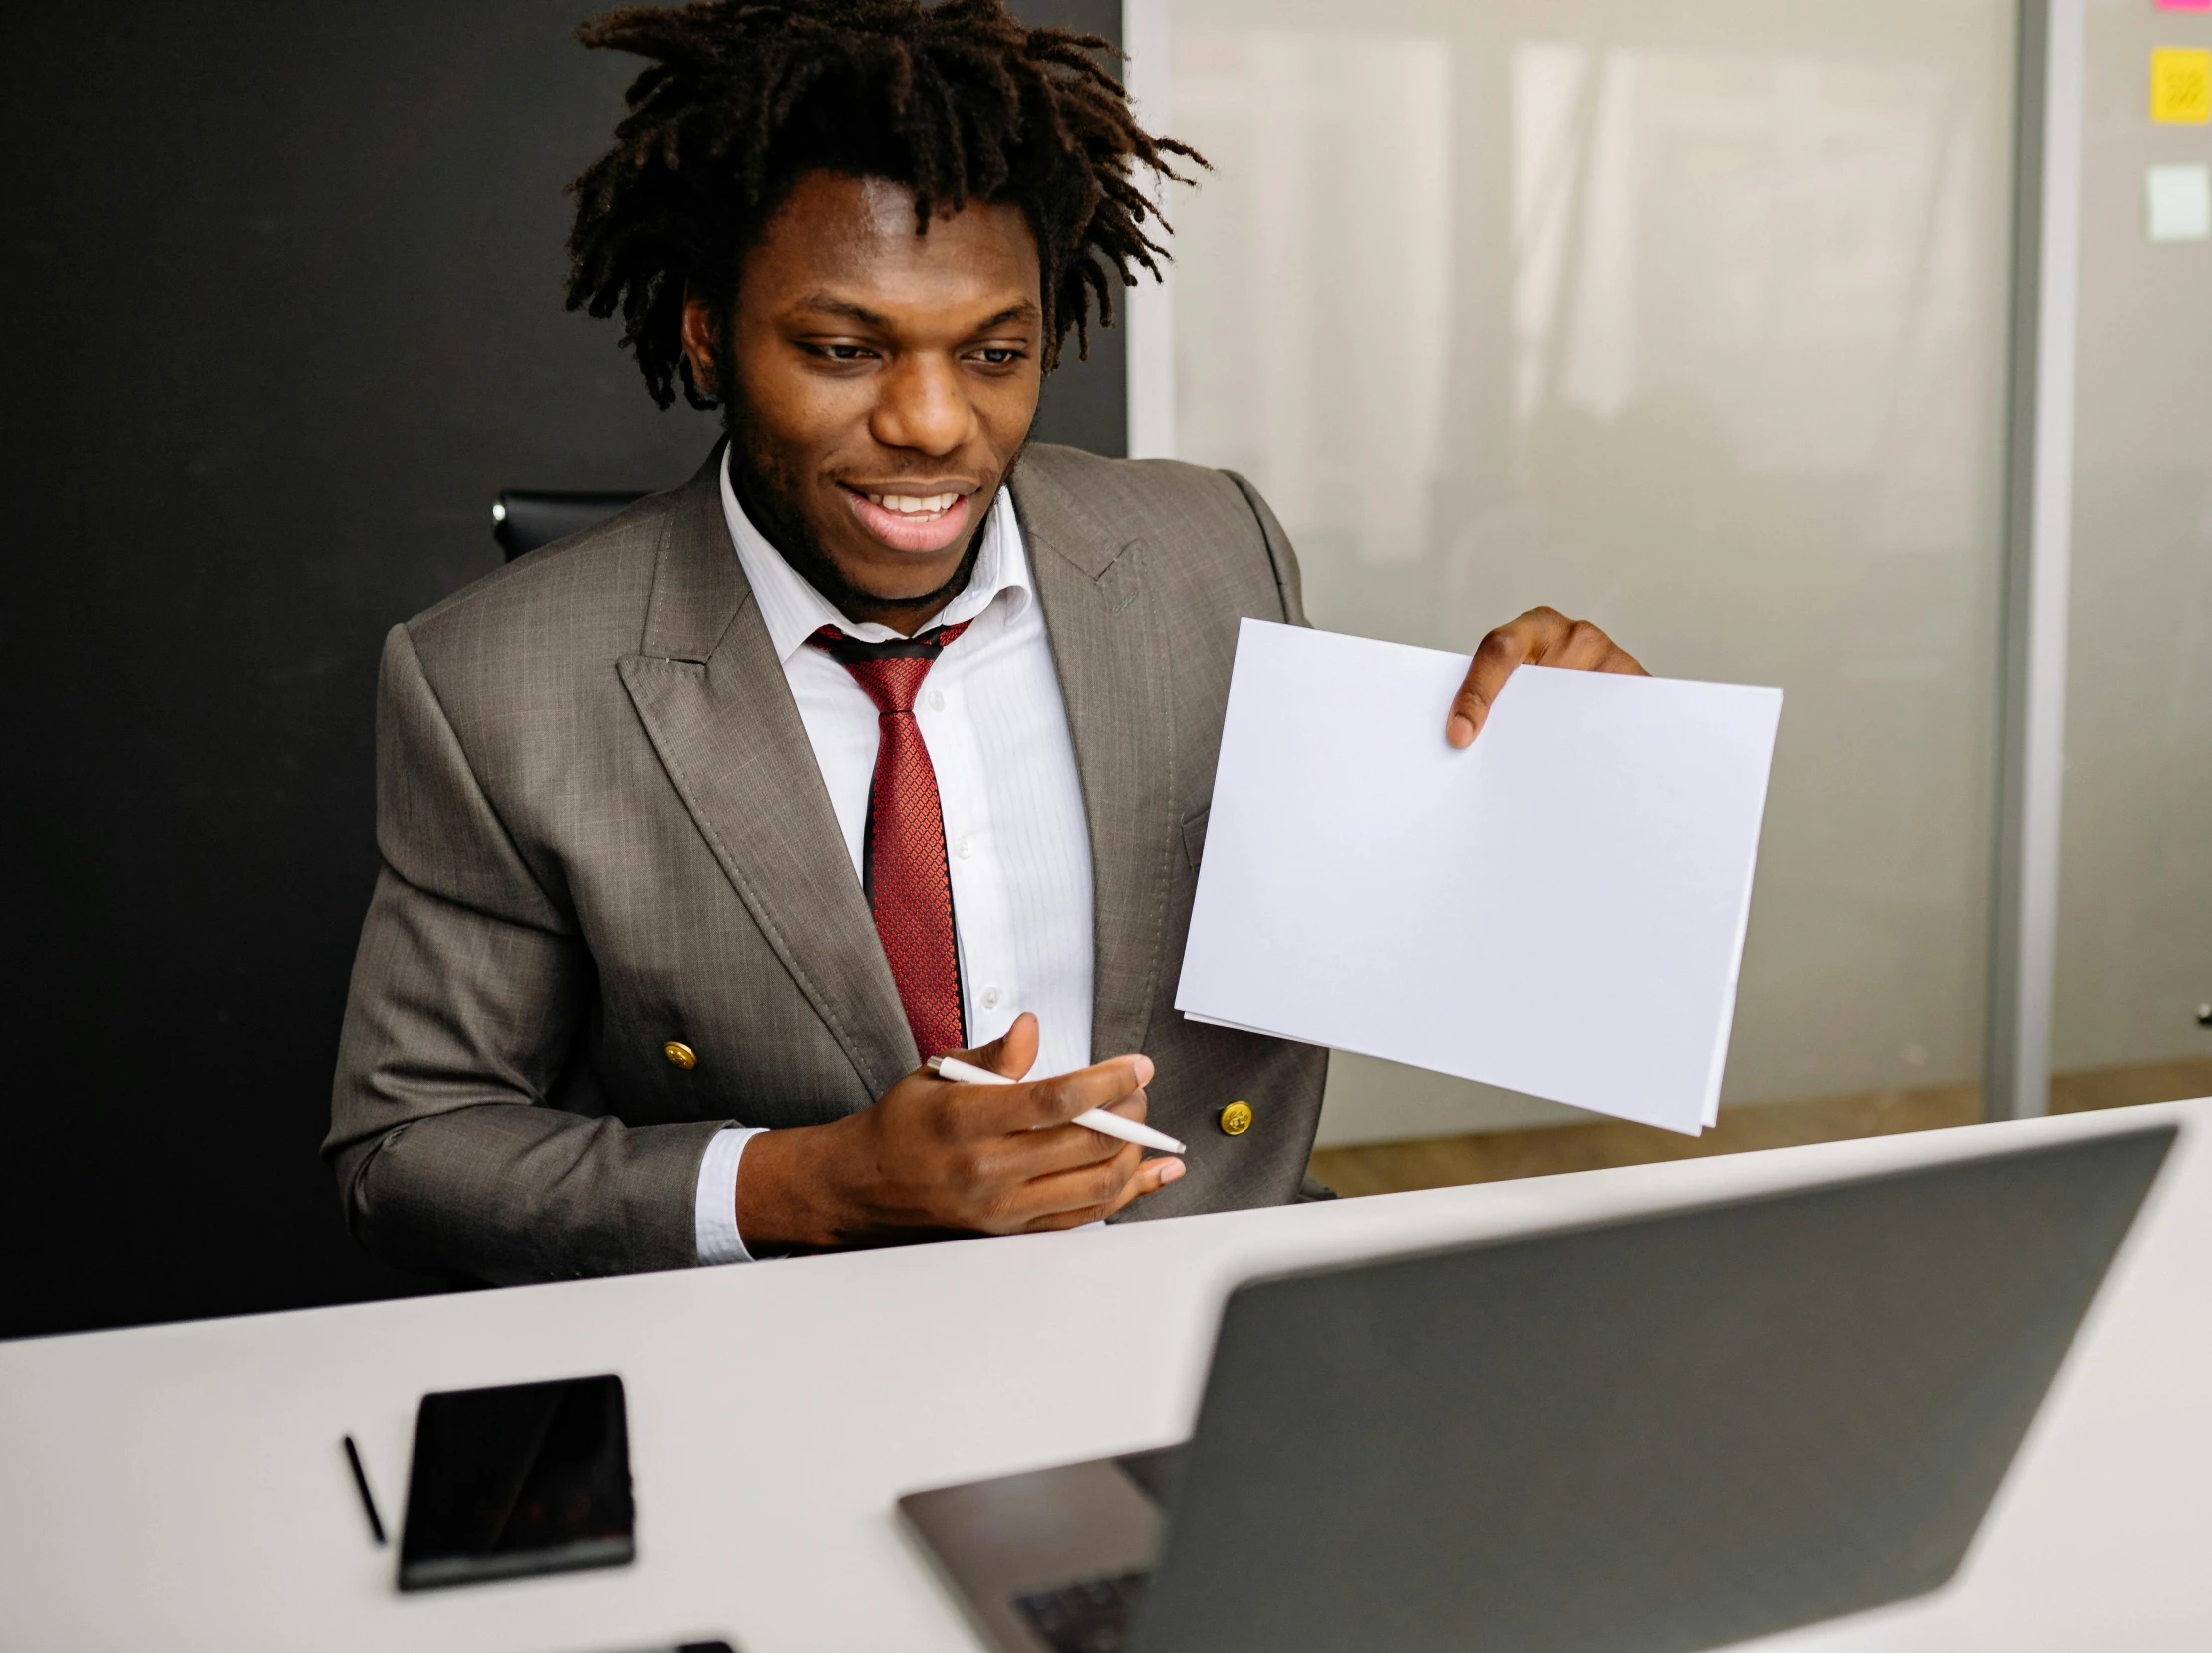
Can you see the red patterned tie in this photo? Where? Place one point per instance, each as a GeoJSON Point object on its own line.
{"type": "Point", "coordinates": [909, 885]}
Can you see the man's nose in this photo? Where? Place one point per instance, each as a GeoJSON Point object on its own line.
{"type": "Point", "coordinates": [924, 407]}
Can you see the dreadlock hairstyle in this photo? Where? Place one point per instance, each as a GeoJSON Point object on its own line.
{"type": "Point", "coordinates": [957, 101]}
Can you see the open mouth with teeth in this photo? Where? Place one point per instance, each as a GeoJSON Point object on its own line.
{"type": "Point", "coordinates": [906, 504]}
{"type": "Point", "coordinates": [911, 521]}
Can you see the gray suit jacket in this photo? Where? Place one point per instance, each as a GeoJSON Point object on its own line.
{"type": "Point", "coordinates": [603, 828]}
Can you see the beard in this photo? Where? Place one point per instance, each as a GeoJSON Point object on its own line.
{"type": "Point", "coordinates": [770, 493]}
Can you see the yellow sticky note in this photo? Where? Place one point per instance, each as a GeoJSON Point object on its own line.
{"type": "Point", "coordinates": [2181, 85]}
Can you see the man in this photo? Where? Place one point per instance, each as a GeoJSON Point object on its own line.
{"type": "Point", "coordinates": [882, 737]}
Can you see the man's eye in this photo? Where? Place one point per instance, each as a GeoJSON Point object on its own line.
{"type": "Point", "coordinates": [826, 350]}
{"type": "Point", "coordinates": [998, 355]}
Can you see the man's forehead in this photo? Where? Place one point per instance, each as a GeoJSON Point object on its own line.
{"type": "Point", "coordinates": [872, 209]}
{"type": "Point", "coordinates": [878, 308]}
{"type": "Point", "coordinates": [845, 240]}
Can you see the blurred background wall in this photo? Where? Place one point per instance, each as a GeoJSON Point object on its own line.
{"type": "Point", "coordinates": [286, 281]}
{"type": "Point", "coordinates": [2136, 861]}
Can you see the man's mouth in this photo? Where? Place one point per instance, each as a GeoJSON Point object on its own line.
{"type": "Point", "coordinates": [915, 522]}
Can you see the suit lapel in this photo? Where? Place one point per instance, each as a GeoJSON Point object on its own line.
{"type": "Point", "coordinates": [1109, 644]}
{"type": "Point", "coordinates": [717, 708]}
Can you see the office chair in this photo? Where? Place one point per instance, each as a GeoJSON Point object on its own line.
{"type": "Point", "coordinates": [522, 520]}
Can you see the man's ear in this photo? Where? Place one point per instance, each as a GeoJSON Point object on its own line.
{"type": "Point", "coordinates": [701, 330]}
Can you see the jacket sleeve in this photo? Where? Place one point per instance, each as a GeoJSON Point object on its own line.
{"type": "Point", "coordinates": [469, 988]}
{"type": "Point", "coordinates": [1289, 583]}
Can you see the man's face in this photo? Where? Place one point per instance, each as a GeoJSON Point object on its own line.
{"type": "Point", "coordinates": [883, 383]}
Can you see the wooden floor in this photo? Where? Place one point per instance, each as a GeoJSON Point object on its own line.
{"type": "Point", "coordinates": [1441, 1161]}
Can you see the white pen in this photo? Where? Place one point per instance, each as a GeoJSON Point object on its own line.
{"type": "Point", "coordinates": [1091, 1119]}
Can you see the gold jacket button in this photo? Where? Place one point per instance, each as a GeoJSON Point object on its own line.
{"type": "Point", "coordinates": [681, 1055]}
{"type": "Point", "coordinates": [1235, 1119]}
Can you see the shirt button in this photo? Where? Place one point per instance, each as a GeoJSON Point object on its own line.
{"type": "Point", "coordinates": [936, 699]}
{"type": "Point", "coordinates": [990, 998]}
{"type": "Point", "coordinates": [963, 848]}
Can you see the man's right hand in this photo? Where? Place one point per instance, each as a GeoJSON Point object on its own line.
{"type": "Point", "coordinates": [934, 1157]}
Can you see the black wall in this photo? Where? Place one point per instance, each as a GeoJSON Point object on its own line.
{"type": "Point", "coordinates": [283, 282]}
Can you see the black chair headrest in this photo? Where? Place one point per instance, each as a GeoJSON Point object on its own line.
{"type": "Point", "coordinates": [523, 520]}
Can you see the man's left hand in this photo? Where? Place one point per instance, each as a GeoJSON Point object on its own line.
{"type": "Point", "coordinates": [1541, 637]}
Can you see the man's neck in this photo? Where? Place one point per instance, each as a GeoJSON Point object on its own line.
{"type": "Point", "coordinates": [903, 618]}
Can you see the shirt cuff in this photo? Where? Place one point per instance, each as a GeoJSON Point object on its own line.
{"type": "Point", "coordinates": [716, 1222]}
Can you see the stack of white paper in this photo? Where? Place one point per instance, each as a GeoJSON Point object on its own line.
{"type": "Point", "coordinates": [1559, 910]}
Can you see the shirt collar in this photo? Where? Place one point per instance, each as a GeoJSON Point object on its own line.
{"type": "Point", "coordinates": [794, 611]}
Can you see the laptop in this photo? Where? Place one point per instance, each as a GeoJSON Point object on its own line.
{"type": "Point", "coordinates": [1668, 1433]}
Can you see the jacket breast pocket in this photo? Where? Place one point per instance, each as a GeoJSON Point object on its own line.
{"type": "Point", "coordinates": [1194, 835]}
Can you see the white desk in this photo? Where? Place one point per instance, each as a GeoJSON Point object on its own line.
{"type": "Point", "coordinates": [182, 1487]}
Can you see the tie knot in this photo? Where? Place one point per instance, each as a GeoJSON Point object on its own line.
{"type": "Point", "coordinates": [891, 672]}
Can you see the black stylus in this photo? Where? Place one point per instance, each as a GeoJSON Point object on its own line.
{"type": "Point", "coordinates": [360, 1479]}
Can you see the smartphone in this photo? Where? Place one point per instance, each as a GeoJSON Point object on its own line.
{"type": "Point", "coordinates": [526, 1478]}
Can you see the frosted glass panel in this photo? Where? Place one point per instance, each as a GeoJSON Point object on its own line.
{"type": "Point", "coordinates": [2135, 862]}
{"type": "Point", "coordinates": [1688, 318]}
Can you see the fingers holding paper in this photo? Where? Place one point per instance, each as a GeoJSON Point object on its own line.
{"type": "Point", "coordinates": [1541, 637]}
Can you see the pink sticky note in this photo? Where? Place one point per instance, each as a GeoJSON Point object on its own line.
{"type": "Point", "coordinates": [2185, 5]}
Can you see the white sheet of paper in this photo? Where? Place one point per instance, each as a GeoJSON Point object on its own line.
{"type": "Point", "coordinates": [1559, 910]}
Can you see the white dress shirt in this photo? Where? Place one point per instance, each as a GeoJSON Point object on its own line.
{"type": "Point", "coordinates": [1016, 839]}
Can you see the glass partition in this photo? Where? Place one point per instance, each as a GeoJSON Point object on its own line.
{"type": "Point", "coordinates": [1683, 314]}
{"type": "Point", "coordinates": [2134, 953]}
